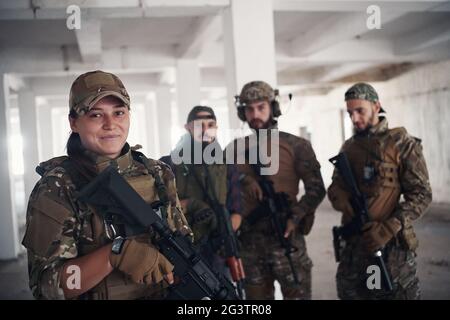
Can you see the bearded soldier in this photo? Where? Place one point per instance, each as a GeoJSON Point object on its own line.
{"type": "Point", "coordinates": [209, 189]}
{"type": "Point", "coordinates": [273, 195]}
{"type": "Point", "coordinates": [387, 164]}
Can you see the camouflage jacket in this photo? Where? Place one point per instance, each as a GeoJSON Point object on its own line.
{"type": "Point", "coordinates": [219, 180]}
{"type": "Point", "coordinates": [60, 228]}
{"type": "Point", "coordinates": [399, 169]}
{"type": "Point", "coordinates": [296, 161]}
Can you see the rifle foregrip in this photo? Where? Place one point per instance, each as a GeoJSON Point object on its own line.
{"type": "Point", "coordinates": [236, 268]}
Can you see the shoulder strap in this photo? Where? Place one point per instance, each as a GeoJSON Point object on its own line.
{"type": "Point", "coordinates": [78, 176]}
{"type": "Point", "coordinates": [160, 186]}
{"type": "Point", "coordinates": [50, 164]}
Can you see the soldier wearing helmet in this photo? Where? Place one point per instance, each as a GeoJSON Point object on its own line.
{"type": "Point", "coordinates": [263, 257]}
{"type": "Point", "coordinates": [74, 250]}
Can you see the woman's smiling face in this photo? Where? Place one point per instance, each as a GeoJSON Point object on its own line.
{"type": "Point", "coordinates": [104, 128]}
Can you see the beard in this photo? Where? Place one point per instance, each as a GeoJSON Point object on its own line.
{"type": "Point", "coordinates": [203, 140]}
{"type": "Point", "coordinates": [259, 124]}
{"type": "Point", "coordinates": [197, 148]}
{"type": "Point", "coordinates": [205, 144]}
{"type": "Point", "coordinates": [366, 129]}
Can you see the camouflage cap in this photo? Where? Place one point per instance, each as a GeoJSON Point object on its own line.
{"type": "Point", "coordinates": [92, 86]}
{"type": "Point", "coordinates": [362, 91]}
{"type": "Point", "coordinates": [256, 91]}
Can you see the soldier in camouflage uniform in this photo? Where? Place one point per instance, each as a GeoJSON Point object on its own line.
{"type": "Point", "coordinates": [387, 164]}
{"type": "Point", "coordinates": [199, 182]}
{"type": "Point", "coordinates": [263, 257]}
{"type": "Point", "coordinates": [64, 235]}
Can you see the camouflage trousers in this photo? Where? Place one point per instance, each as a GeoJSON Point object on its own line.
{"type": "Point", "coordinates": [352, 273]}
{"type": "Point", "coordinates": [264, 262]}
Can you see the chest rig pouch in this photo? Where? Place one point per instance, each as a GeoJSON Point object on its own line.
{"type": "Point", "coordinates": [99, 228]}
{"type": "Point", "coordinates": [192, 180]}
{"type": "Point", "coordinates": [375, 161]}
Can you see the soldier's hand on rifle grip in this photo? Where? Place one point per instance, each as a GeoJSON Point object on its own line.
{"type": "Point", "coordinates": [169, 278]}
{"type": "Point", "coordinates": [290, 227]}
{"type": "Point", "coordinates": [141, 261]}
{"type": "Point", "coordinates": [377, 234]}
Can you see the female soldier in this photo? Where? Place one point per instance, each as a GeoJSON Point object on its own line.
{"type": "Point", "coordinates": [73, 251]}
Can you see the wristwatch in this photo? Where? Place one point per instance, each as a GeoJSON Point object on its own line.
{"type": "Point", "coordinates": [117, 245]}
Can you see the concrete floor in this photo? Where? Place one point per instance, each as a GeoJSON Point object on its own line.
{"type": "Point", "coordinates": [433, 231]}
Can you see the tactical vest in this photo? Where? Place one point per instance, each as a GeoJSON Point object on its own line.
{"type": "Point", "coordinates": [286, 179]}
{"type": "Point", "coordinates": [95, 233]}
{"type": "Point", "coordinates": [188, 187]}
{"type": "Point", "coordinates": [375, 162]}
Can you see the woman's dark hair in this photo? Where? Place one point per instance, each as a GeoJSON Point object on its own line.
{"type": "Point", "coordinates": [74, 146]}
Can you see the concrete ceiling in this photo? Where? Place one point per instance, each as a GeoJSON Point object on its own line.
{"type": "Point", "coordinates": [407, 24]}
{"type": "Point", "coordinates": [316, 41]}
{"type": "Point", "coordinates": [35, 33]}
{"type": "Point", "coordinates": [137, 32]}
{"type": "Point", "coordinates": [289, 25]}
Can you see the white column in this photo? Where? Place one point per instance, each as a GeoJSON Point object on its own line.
{"type": "Point", "coordinates": [188, 87]}
{"type": "Point", "coordinates": [249, 44]}
{"type": "Point", "coordinates": [45, 132]}
{"type": "Point", "coordinates": [164, 115]}
{"type": "Point", "coordinates": [28, 128]}
{"type": "Point", "coordinates": [9, 238]}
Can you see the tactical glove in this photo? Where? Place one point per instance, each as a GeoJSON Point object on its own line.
{"type": "Point", "coordinates": [377, 234]}
{"type": "Point", "coordinates": [201, 218]}
{"type": "Point", "coordinates": [141, 261]}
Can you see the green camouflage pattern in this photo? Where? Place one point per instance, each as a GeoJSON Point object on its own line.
{"type": "Point", "coordinates": [198, 212]}
{"type": "Point", "coordinates": [362, 91]}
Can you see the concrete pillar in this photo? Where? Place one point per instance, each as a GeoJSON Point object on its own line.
{"type": "Point", "coordinates": [9, 238]}
{"type": "Point", "coordinates": [28, 128]}
{"type": "Point", "coordinates": [45, 132]}
{"type": "Point", "coordinates": [249, 44]}
{"type": "Point", "coordinates": [164, 116]}
{"type": "Point", "coordinates": [188, 87]}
